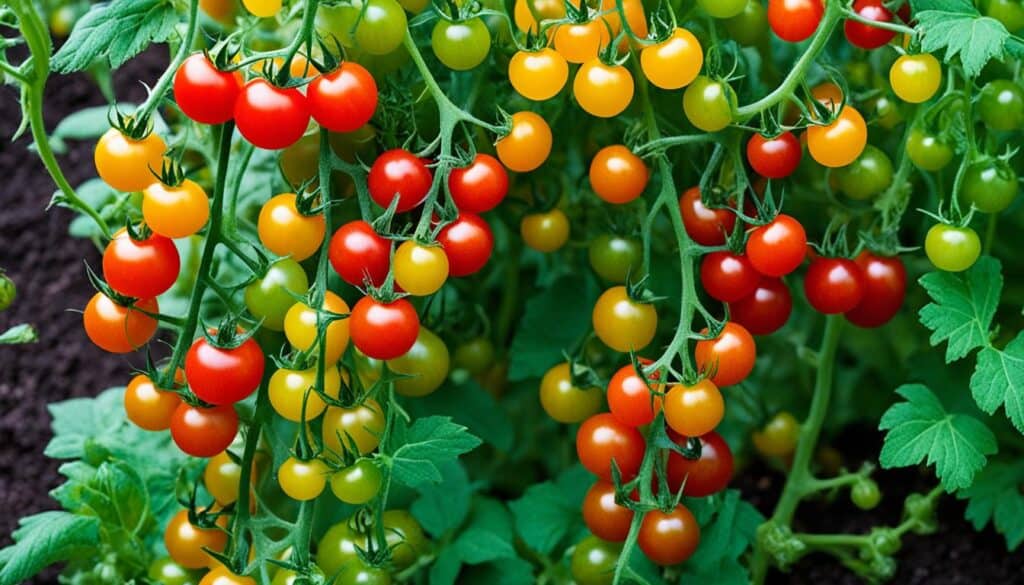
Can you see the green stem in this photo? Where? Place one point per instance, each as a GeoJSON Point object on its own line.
{"type": "Point", "coordinates": [164, 83]}
{"type": "Point", "coordinates": [990, 232]}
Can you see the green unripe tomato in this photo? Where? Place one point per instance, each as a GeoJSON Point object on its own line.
{"type": "Point", "coordinates": [614, 258]}
{"type": "Point", "coordinates": [1008, 12]}
{"type": "Point", "coordinates": [461, 45]}
{"type": "Point", "coordinates": [1001, 105]}
{"type": "Point", "coordinates": [382, 27]}
{"type": "Point", "coordinates": [867, 176]}
{"type": "Point", "coordinates": [7, 292]}
{"type": "Point", "coordinates": [593, 561]}
{"type": "Point", "coordinates": [951, 248]}
{"type": "Point", "coordinates": [928, 152]}
{"type": "Point", "coordinates": [167, 572]}
{"type": "Point", "coordinates": [722, 8]}
{"type": "Point", "coordinates": [709, 105]}
{"type": "Point", "coordinates": [865, 494]}
{"type": "Point", "coordinates": [475, 355]}
{"type": "Point", "coordinates": [989, 185]}
{"type": "Point", "coordinates": [270, 297]}
{"type": "Point", "coordinates": [750, 26]}
{"type": "Point", "coordinates": [358, 483]}
{"type": "Point", "coordinates": [427, 361]}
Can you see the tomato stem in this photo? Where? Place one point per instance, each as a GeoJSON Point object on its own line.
{"type": "Point", "coordinates": [184, 50]}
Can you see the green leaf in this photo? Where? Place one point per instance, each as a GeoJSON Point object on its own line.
{"type": "Point", "coordinates": [470, 405]}
{"type": "Point", "coordinates": [730, 532]}
{"type": "Point", "coordinates": [548, 512]}
{"type": "Point", "coordinates": [445, 569]}
{"type": "Point", "coordinates": [115, 31]}
{"type": "Point", "coordinates": [488, 537]}
{"type": "Point", "coordinates": [551, 323]}
{"type": "Point", "coordinates": [921, 430]}
{"type": "Point", "coordinates": [19, 334]}
{"type": "Point", "coordinates": [724, 572]}
{"type": "Point", "coordinates": [426, 444]}
{"type": "Point", "coordinates": [444, 506]}
{"type": "Point", "coordinates": [995, 497]}
{"type": "Point", "coordinates": [998, 380]}
{"type": "Point", "coordinates": [510, 571]}
{"type": "Point", "coordinates": [42, 540]}
{"type": "Point", "coordinates": [963, 306]}
{"type": "Point", "coordinates": [958, 28]}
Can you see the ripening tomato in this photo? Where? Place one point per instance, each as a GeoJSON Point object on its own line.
{"type": "Point", "coordinates": [952, 248]}
{"type": "Point", "coordinates": [564, 401]}
{"type": "Point", "coordinates": [420, 269]}
{"type": "Point", "coordinates": [468, 243]}
{"type": "Point", "coordinates": [427, 363]}
{"type": "Point", "coordinates": [864, 35]}
{"type": "Point", "coordinates": [706, 226]}
{"type": "Point", "coordinates": [603, 90]}
{"type": "Point", "coordinates": [778, 437]}
{"type": "Point", "coordinates": [617, 175]}
{"type": "Point", "coordinates": [774, 158]}
{"type": "Point", "coordinates": [602, 439]}
{"type": "Point", "coordinates": [728, 277]}
{"type": "Point", "coordinates": [204, 432]}
{"type": "Point", "coordinates": [580, 42]}
{"type": "Point", "coordinates": [866, 177]}
{"type": "Point", "coordinates": [709, 104]}
{"type": "Point", "coordinates": [766, 309]}
{"type": "Point", "coordinates": [343, 100]}
{"type": "Point", "coordinates": [285, 231]}
{"type": "Point", "coordinates": [622, 323]}
{"type": "Point", "coordinates": [221, 476]}
{"type": "Point", "coordinates": [224, 375]}
{"type": "Point", "coordinates": [269, 298]}
{"type": "Point", "coordinates": [140, 268]}
{"type": "Point", "coordinates": [524, 11]}
{"type": "Point", "coordinates": [358, 254]}
{"type": "Point", "coordinates": [361, 425]}
{"type": "Point", "coordinates": [302, 480]}
{"type": "Point", "coordinates": [594, 560]}
{"type": "Point", "coordinates": [795, 20]}
{"type": "Point", "coordinates": [461, 45]}
{"type": "Point", "coordinates": [778, 247]}
{"type": "Point", "coordinates": [381, 26]}
{"type": "Point", "coordinates": [701, 477]}
{"type": "Point", "coordinates": [694, 410]}
{"type": "Point", "coordinates": [630, 397]}
{"type": "Point", "coordinates": [675, 62]}
{"type": "Point", "coordinates": [127, 164]}
{"type": "Point", "coordinates": [300, 327]}
{"type": "Point", "coordinates": [885, 287]}
{"type": "Point", "coordinates": [185, 541]}
{"type": "Point", "coordinates": [538, 75]}
{"type": "Point", "coordinates": [669, 538]}
{"type": "Point", "coordinates": [603, 516]}
{"type": "Point", "coordinates": [399, 173]}
{"type": "Point", "coordinates": [546, 231]}
{"type": "Point", "coordinates": [928, 151]}
{"type": "Point", "coordinates": [527, 145]}
{"type": "Point", "coordinates": [384, 330]}
{"type": "Point", "coordinates": [263, 8]}
{"type": "Point", "coordinates": [259, 102]}
{"type": "Point", "coordinates": [834, 285]}
{"type": "Point", "coordinates": [839, 143]}
{"type": "Point", "coordinates": [729, 358]}
{"type": "Point", "coordinates": [167, 572]}
{"type": "Point", "coordinates": [175, 212]}
{"type": "Point", "coordinates": [116, 328]}
{"type": "Point", "coordinates": [358, 483]}
{"type": "Point", "coordinates": [147, 406]}
{"type": "Point", "coordinates": [288, 389]}
{"type": "Point", "coordinates": [915, 78]}
{"type": "Point", "coordinates": [480, 186]}
{"type": "Point", "coordinates": [221, 575]}
{"type": "Point", "coordinates": [615, 258]}
{"type": "Point", "coordinates": [204, 93]}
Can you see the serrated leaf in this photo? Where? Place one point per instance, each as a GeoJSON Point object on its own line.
{"type": "Point", "coordinates": [963, 306]}
{"type": "Point", "coordinates": [44, 539]}
{"type": "Point", "coordinates": [423, 446]}
{"type": "Point", "coordinates": [730, 532]}
{"type": "Point", "coordinates": [920, 430]}
{"type": "Point", "coordinates": [998, 380]}
{"type": "Point", "coordinates": [115, 31]}
{"type": "Point", "coordinates": [549, 511]}
{"type": "Point", "coordinates": [956, 27]}
{"type": "Point", "coordinates": [470, 405]}
{"type": "Point", "coordinates": [19, 334]}
{"type": "Point", "coordinates": [995, 497]}
{"type": "Point", "coordinates": [444, 506]}
{"type": "Point", "coordinates": [478, 545]}
{"type": "Point", "coordinates": [538, 344]}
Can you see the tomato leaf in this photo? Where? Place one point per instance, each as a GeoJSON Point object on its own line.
{"type": "Point", "coordinates": [963, 306]}
{"type": "Point", "coordinates": [43, 539]}
{"type": "Point", "coordinates": [115, 31]}
{"type": "Point", "coordinates": [729, 533]}
{"type": "Point", "coordinates": [551, 323]}
{"type": "Point", "coordinates": [426, 444]}
{"type": "Point", "coordinates": [998, 380]}
{"type": "Point", "coordinates": [957, 27]}
{"type": "Point", "coordinates": [921, 430]}
{"type": "Point", "coordinates": [444, 506]}
{"type": "Point", "coordinates": [510, 571]}
{"type": "Point", "coordinates": [19, 334]}
{"type": "Point", "coordinates": [550, 511]}
{"type": "Point", "coordinates": [471, 406]}
{"type": "Point", "coordinates": [995, 497]}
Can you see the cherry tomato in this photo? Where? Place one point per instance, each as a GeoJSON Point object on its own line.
{"type": "Point", "coordinates": [263, 8]}
{"type": "Point", "coordinates": [468, 243]}
{"type": "Point", "coordinates": [185, 541]}
{"type": "Point", "coordinates": [834, 285]}
{"type": "Point", "coordinates": [864, 35]}
{"type": "Point", "coordinates": [399, 173]}
{"type": "Point", "coordinates": [269, 298]}
{"type": "Point", "coordinates": [359, 254]}
{"type": "Point", "coordinates": [546, 231]}
{"type": "Point", "coordinates": [167, 572]}
{"type": "Point", "coordinates": [527, 145]}
{"type": "Point", "coordinates": [729, 357]}
{"type": "Point", "coordinates": [778, 247]}
{"type": "Point", "coordinates": [337, 547]}
{"type": "Point", "coordinates": [728, 277]}
{"type": "Point", "coordinates": [606, 519]}
{"type": "Point", "coordinates": [288, 389]}
{"type": "Point", "coordinates": [127, 164]}
{"type": "Point", "coordinates": [951, 248]}
{"type": "Point", "coordinates": [221, 476]}
{"type": "Point", "coordinates": [701, 477]}
{"type": "Point", "coordinates": [774, 158]}
{"type": "Point", "coordinates": [617, 175]}
{"type": "Point", "coordinates": [538, 75]}
{"type": "Point", "coordinates": [580, 42]}
{"type": "Point", "coordinates": [615, 258]}
{"type": "Point", "coordinates": [1001, 105]}
{"type": "Point", "coordinates": [673, 63]}
{"type": "Point", "coordinates": [384, 330]}
{"type": "Point", "coordinates": [694, 410]}
{"type": "Point", "coordinates": [709, 104]}
{"type": "Point", "coordinates": [839, 143]}
{"type": "Point", "coordinates": [175, 212]}
{"type": "Point", "coordinates": [885, 286]}
{"type": "Point", "coordinates": [427, 361]}
{"type": "Point", "coordinates": [343, 100]}
{"type": "Point", "coordinates": [420, 270]}
{"type": "Point", "coordinates": [706, 226]}
{"type": "Point", "coordinates": [603, 90]}
{"type": "Point", "coordinates": [524, 10]}
{"type": "Point", "coordinates": [669, 538]}
{"type": "Point", "coordinates": [636, 19]}
{"type": "Point", "coordinates": [989, 185]}
{"type": "Point", "coordinates": [260, 101]}
{"type": "Point", "coordinates": [927, 151]}
{"type": "Point", "coordinates": [221, 575]}
{"type": "Point", "coordinates": [224, 375]}
{"type": "Point", "coordinates": [622, 323]}
{"type": "Point", "coordinates": [630, 400]}
{"type": "Point", "coordinates": [564, 401]}
{"type": "Point", "coordinates": [1008, 12]}
{"type": "Point", "coordinates": [300, 327]}
{"type": "Point", "coordinates": [593, 562]}
{"type": "Point", "coordinates": [116, 328]}
{"type": "Point", "coordinates": [140, 268]}
{"type": "Point", "coordinates": [479, 187]}
{"type": "Point", "coordinates": [778, 437]}
{"type": "Point", "coordinates": [204, 93]}
{"type": "Point", "coordinates": [287, 232]}
{"type": "Point", "coordinates": [147, 406]}
{"type": "Point", "coordinates": [362, 425]}
{"type": "Point", "coordinates": [602, 439]}
{"type": "Point", "coordinates": [865, 494]}
{"type": "Point", "coordinates": [795, 20]}
{"type": "Point", "coordinates": [461, 45]}
{"type": "Point", "coordinates": [765, 310]}
{"type": "Point", "coordinates": [866, 177]}
{"type": "Point", "coordinates": [475, 355]}
{"type": "Point", "coordinates": [302, 480]}
{"type": "Point", "coordinates": [915, 78]}
{"type": "Point", "coordinates": [358, 483]}
{"type": "Point", "coordinates": [381, 27]}
{"type": "Point", "coordinates": [722, 8]}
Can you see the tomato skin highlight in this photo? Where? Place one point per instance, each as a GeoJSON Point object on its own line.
{"type": "Point", "coordinates": [834, 285]}
{"type": "Point", "coordinates": [204, 93]}
{"type": "Point", "coordinates": [140, 268]}
{"type": "Point", "coordinates": [259, 102]}
{"type": "Point", "coordinates": [774, 158]}
{"type": "Point", "coordinates": [705, 476]}
{"type": "Point", "coordinates": [357, 252]}
{"type": "Point", "coordinates": [706, 226]}
{"type": "Point", "coordinates": [629, 399]}
{"type": "Point", "coordinates": [766, 309]}
{"type": "Point", "coordinates": [606, 519]}
{"type": "Point", "coordinates": [479, 187]}
{"type": "Point", "coordinates": [731, 355]}
{"type": "Point", "coordinates": [204, 432]}
{"type": "Point", "coordinates": [116, 328]}
{"type": "Point", "coordinates": [669, 538]}
{"type": "Point", "coordinates": [383, 330]}
{"type": "Point", "coordinates": [778, 247]}
{"type": "Point", "coordinates": [147, 406]}
{"type": "Point", "coordinates": [885, 287]}
{"type": "Point", "coordinates": [795, 20]}
{"type": "Point", "coordinates": [728, 277]}
{"type": "Point", "coordinates": [343, 100]}
{"type": "Point", "coordinates": [601, 439]}
{"type": "Point", "coordinates": [468, 243]}
{"type": "Point", "coordinates": [397, 172]}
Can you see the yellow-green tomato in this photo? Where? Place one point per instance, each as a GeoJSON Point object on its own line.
{"type": "Point", "coordinates": [427, 363]}
{"type": "Point", "coordinates": [709, 104]}
{"type": "Point", "coordinates": [564, 401]}
{"type": "Point", "coordinates": [952, 248]}
{"type": "Point", "coordinates": [546, 231]}
{"type": "Point", "coordinates": [622, 323]}
{"type": "Point", "coordinates": [302, 480]}
{"type": "Point", "coordinates": [358, 483]}
{"type": "Point", "coordinates": [287, 389]}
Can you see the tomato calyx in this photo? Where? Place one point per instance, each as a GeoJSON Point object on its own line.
{"type": "Point", "coordinates": [661, 24]}
{"type": "Point", "coordinates": [638, 292]}
{"type": "Point", "coordinates": [228, 335]}
{"type": "Point", "coordinates": [131, 127]}
{"type": "Point", "coordinates": [170, 174]}
{"type": "Point", "coordinates": [102, 287]}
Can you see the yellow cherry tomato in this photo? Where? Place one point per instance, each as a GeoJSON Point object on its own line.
{"type": "Point", "coordinates": [673, 63]}
{"type": "Point", "coordinates": [175, 212]}
{"type": "Point", "coordinates": [126, 164]}
{"type": "Point", "coordinates": [622, 323]}
{"type": "Point", "coordinates": [543, 9]}
{"type": "Point", "coordinates": [915, 78]}
{"type": "Point", "coordinates": [286, 232]}
{"type": "Point", "coordinates": [361, 424]}
{"type": "Point", "coordinates": [603, 90]}
{"type": "Point", "coordinates": [287, 389]}
{"type": "Point", "coordinates": [300, 324]}
{"type": "Point", "coordinates": [545, 232]}
{"type": "Point", "coordinates": [420, 269]}
{"type": "Point", "coordinates": [302, 480]}
{"type": "Point", "coordinates": [263, 8]}
{"type": "Point", "coordinates": [581, 42]}
{"type": "Point", "coordinates": [221, 477]}
{"type": "Point", "coordinates": [778, 437]}
{"type": "Point", "coordinates": [538, 75]}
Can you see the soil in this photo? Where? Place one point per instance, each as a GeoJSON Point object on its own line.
{"type": "Point", "coordinates": [47, 266]}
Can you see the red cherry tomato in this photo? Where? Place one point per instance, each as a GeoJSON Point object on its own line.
{"type": "Point", "coordinates": [629, 399]}
{"type": "Point", "coordinates": [707, 227]}
{"type": "Point", "coordinates": [606, 519]}
{"type": "Point", "coordinates": [399, 172]}
{"type": "Point", "coordinates": [204, 93]}
{"type": "Point", "coordinates": [885, 286]}
{"type": "Point", "coordinates": [766, 309]}
{"type": "Point", "coordinates": [778, 247]}
{"type": "Point", "coordinates": [204, 432]}
{"type": "Point", "coordinates": [358, 253]}
{"type": "Point", "coordinates": [480, 186]}
{"type": "Point", "coordinates": [669, 538]}
{"type": "Point", "coordinates": [730, 356]}
{"type": "Point", "coordinates": [140, 268]}
{"type": "Point", "coordinates": [223, 376]}
{"type": "Point", "coordinates": [728, 277]}
{"type": "Point", "coordinates": [601, 439]}
{"type": "Point", "coordinates": [383, 331]}
{"type": "Point", "coordinates": [774, 158]}
{"type": "Point", "coordinates": [343, 100]}
{"type": "Point", "coordinates": [705, 476]}
{"type": "Point", "coordinates": [834, 285]}
{"type": "Point", "coordinates": [866, 36]}
{"type": "Point", "coordinates": [468, 243]}
{"type": "Point", "coordinates": [795, 20]}
{"type": "Point", "coordinates": [271, 117]}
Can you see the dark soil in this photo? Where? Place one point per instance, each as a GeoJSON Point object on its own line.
{"type": "Point", "coordinates": [47, 266]}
